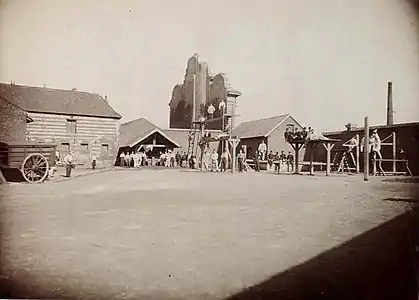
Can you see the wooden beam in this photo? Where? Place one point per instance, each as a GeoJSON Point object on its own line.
{"type": "Point", "coordinates": [357, 153]}
{"type": "Point", "coordinates": [366, 148]}
{"type": "Point", "coordinates": [297, 150]}
{"type": "Point", "coordinates": [328, 147]}
{"type": "Point", "coordinates": [233, 143]}
{"type": "Point", "coordinates": [374, 164]}
{"type": "Point", "coordinates": [389, 159]}
{"type": "Point", "coordinates": [2, 178]}
{"type": "Point", "coordinates": [211, 120]}
{"type": "Point", "coordinates": [311, 159]}
{"type": "Point", "coordinates": [393, 134]}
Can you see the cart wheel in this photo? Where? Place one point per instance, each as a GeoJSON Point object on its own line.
{"type": "Point", "coordinates": [35, 168]}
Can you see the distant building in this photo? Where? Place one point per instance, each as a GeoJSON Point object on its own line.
{"type": "Point", "coordinates": [141, 133]}
{"type": "Point", "coordinates": [81, 122]}
{"type": "Point", "coordinates": [207, 88]}
{"type": "Point", "coordinates": [271, 130]}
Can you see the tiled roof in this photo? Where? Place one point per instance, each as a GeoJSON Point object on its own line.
{"type": "Point", "coordinates": [137, 130]}
{"type": "Point", "coordinates": [258, 128]}
{"type": "Point", "coordinates": [180, 136]}
{"type": "Point", "coordinates": [46, 100]}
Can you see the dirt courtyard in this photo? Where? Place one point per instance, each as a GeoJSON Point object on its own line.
{"type": "Point", "coordinates": [179, 234]}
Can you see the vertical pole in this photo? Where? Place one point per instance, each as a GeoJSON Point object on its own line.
{"type": "Point", "coordinates": [357, 153]}
{"type": "Point", "coordinates": [222, 128]}
{"type": "Point", "coordinates": [311, 159]}
{"type": "Point", "coordinates": [233, 146]}
{"type": "Point", "coordinates": [394, 152]}
{"type": "Point", "coordinates": [374, 166]}
{"type": "Point", "coordinates": [366, 148]}
{"type": "Point", "coordinates": [328, 148]}
{"type": "Point", "coordinates": [202, 144]}
{"type": "Point", "coordinates": [233, 116]}
{"type": "Point", "coordinates": [297, 148]}
{"type": "Point", "coordinates": [194, 98]}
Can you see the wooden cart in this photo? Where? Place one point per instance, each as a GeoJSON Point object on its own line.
{"type": "Point", "coordinates": [33, 160]}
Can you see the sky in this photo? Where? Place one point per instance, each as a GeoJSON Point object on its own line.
{"type": "Point", "coordinates": [327, 62]}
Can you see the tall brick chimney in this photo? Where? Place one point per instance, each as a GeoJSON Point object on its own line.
{"type": "Point", "coordinates": [390, 104]}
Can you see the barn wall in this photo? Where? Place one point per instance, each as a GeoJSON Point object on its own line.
{"type": "Point", "coordinates": [93, 135]}
{"type": "Point", "coordinates": [12, 123]}
{"type": "Point", "coordinates": [276, 140]}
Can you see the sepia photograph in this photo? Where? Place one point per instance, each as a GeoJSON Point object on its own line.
{"type": "Point", "coordinates": [190, 149]}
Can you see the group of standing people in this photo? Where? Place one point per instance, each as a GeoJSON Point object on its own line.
{"type": "Point", "coordinates": [168, 158]}
{"type": "Point", "coordinates": [213, 162]}
{"type": "Point", "coordinates": [276, 162]}
{"type": "Point", "coordinates": [305, 134]}
{"type": "Point", "coordinates": [133, 159]}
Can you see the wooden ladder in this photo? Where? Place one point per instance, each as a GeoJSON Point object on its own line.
{"type": "Point", "coordinates": [344, 163]}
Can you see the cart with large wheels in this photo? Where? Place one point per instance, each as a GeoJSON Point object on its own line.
{"type": "Point", "coordinates": [31, 160]}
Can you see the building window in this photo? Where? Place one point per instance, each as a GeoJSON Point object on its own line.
{"type": "Point", "coordinates": [105, 148]}
{"type": "Point", "coordinates": [84, 146]}
{"type": "Point", "coordinates": [290, 127]}
{"type": "Point", "coordinates": [71, 126]}
{"type": "Point", "coordinates": [65, 146]}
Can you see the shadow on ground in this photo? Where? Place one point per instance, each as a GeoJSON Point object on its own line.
{"type": "Point", "coordinates": [379, 264]}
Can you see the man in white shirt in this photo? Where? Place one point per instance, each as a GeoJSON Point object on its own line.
{"type": "Point", "coordinates": [224, 160]}
{"type": "Point", "coordinates": [211, 110]}
{"type": "Point", "coordinates": [376, 146]}
{"type": "Point", "coordinates": [69, 164]}
{"type": "Point", "coordinates": [214, 161]}
{"type": "Point", "coordinates": [222, 107]}
{"type": "Point", "coordinates": [206, 159]}
{"type": "Point", "coordinates": [136, 159]}
{"type": "Point", "coordinates": [141, 159]}
{"type": "Point", "coordinates": [262, 149]}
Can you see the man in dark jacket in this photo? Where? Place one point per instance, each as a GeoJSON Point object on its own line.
{"type": "Point", "coordinates": [256, 161]}
{"type": "Point", "coordinates": [290, 162]}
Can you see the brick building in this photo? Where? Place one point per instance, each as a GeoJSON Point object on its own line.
{"type": "Point", "coordinates": [81, 122]}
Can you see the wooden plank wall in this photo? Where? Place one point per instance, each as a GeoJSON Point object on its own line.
{"type": "Point", "coordinates": [92, 135]}
{"type": "Point", "coordinates": [17, 154]}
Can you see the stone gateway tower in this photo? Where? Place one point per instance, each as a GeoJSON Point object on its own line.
{"type": "Point", "coordinates": [191, 99]}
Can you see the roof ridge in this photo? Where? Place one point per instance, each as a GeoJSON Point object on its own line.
{"type": "Point", "coordinates": [58, 101]}
{"type": "Point", "coordinates": [49, 88]}
{"type": "Point", "coordinates": [279, 116]}
{"type": "Point", "coordinates": [142, 118]}
{"type": "Point", "coordinates": [106, 102]}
